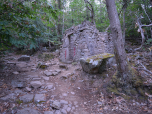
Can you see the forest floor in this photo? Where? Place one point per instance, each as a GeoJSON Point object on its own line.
{"type": "Point", "coordinates": [66, 88]}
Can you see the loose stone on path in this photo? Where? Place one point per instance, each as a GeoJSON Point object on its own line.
{"type": "Point", "coordinates": [49, 112]}
{"type": "Point", "coordinates": [24, 58]}
{"type": "Point", "coordinates": [36, 84]}
{"type": "Point", "coordinates": [63, 102]}
{"type": "Point", "coordinates": [27, 98]}
{"type": "Point", "coordinates": [56, 104]}
{"type": "Point", "coordinates": [45, 78]}
{"type": "Point", "coordinates": [28, 111]}
{"type": "Point", "coordinates": [49, 86]}
{"type": "Point", "coordinates": [40, 98]}
{"type": "Point", "coordinates": [48, 73]}
{"type": "Point", "coordinates": [27, 89]}
{"type": "Point", "coordinates": [18, 84]}
{"type": "Point", "coordinates": [15, 72]}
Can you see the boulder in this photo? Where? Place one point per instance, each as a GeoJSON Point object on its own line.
{"type": "Point", "coordinates": [96, 63]}
{"type": "Point", "coordinates": [24, 58]}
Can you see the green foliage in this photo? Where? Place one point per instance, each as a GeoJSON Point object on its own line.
{"type": "Point", "coordinates": [149, 41]}
{"type": "Point", "coordinates": [21, 24]}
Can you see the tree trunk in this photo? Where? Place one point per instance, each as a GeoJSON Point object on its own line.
{"type": "Point", "coordinates": [87, 14]}
{"type": "Point", "coordinates": [63, 20]}
{"type": "Point", "coordinates": [100, 10]}
{"type": "Point", "coordinates": [124, 26]}
{"type": "Point", "coordinates": [125, 4]}
{"type": "Point", "coordinates": [59, 21]}
{"type": "Point", "coordinates": [141, 31]}
{"type": "Point", "coordinates": [124, 72]}
{"type": "Point", "coordinates": [150, 2]}
{"type": "Point", "coordinates": [90, 7]}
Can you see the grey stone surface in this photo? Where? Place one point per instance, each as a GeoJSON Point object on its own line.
{"type": "Point", "coordinates": [57, 112]}
{"type": "Point", "coordinates": [64, 77]}
{"type": "Point", "coordinates": [63, 111]}
{"type": "Point", "coordinates": [40, 98]}
{"type": "Point", "coordinates": [73, 108]}
{"type": "Point", "coordinates": [63, 102]}
{"type": "Point", "coordinates": [56, 104]}
{"type": "Point", "coordinates": [27, 89]}
{"type": "Point", "coordinates": [27, 98]}
{"type": "Point", "coordinates": [24, 58]}
{"type": "Point", "coordinates": [75, 102]}
{"type": "Point", "coordinates": [18, 91]}
{"type": "Point", "coordinates": [73, 93]}
{"type": "Point", "coordinates": [96, 63]}
{"type": "Point", "coordinates": [64, 94]}
{"type": "Point", "coordinates": [36, 78]}
{"type": "Point", "coordinates": [57, 70]}
{"type": "Point", "coordinates": [54, 73]}
{"type": "Point", "coordinates": [49, 112]}
{"type": "Point", "coordinates": [48, 73]}
{"type": "Point", "coordinates": [11, 96]}
{"type": "Point", "coordinates": [18, 84]}
{"type": "Point", "coordinates": [65, 107]}
{"type": "Point", "coordinates": [36, 84]}
{"type": "Point", "coordinates": [28, 111]}
{"type": "Point", "coordinates": [45, 78]}
{"type": "Point", "coordinates": [68, 109]}
{"type": "Point", "coordinates": [15, 72]}
{"type": "Point", "coordinates": [49, 86]}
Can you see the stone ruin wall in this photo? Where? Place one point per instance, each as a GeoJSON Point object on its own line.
{"type": "Point", "coordinates": [84, 40]}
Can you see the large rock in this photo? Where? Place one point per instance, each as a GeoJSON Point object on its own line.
{"type": "Point", "coordinates": [24, 58]}
{"type": "Point", "coordinates": [96, 63]}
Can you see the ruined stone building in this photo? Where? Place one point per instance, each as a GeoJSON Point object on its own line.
{"type": "Point", "coordinates": [84, 40]}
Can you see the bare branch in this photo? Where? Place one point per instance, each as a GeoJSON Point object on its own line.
{"type": "Point", "coordinates": [146, 25]}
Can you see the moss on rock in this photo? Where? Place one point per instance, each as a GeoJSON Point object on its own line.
{"type": "Point", "coordinates": [99, 57]}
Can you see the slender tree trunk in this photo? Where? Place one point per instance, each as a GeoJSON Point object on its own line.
{"type": "Point", "coordinates": [59, 21]}
{"type": "Point", "coordinates": [63, 20]}
{"type": "Point", "coordinates": [124, 25]}
{"type": "Point", "coordinates": [123, 73]}
{"type": "Point", "coordinates": [149, 20]}
{"type": "Point", "coordinates": [87, 14]}
{"type": "Point", "coordinates": [90, 7]}
{"type": "Point", "coordinates": [141, 31]}
{"type": "Point", "coordinates": [72, 21]}
{"type": "Point", "coordinates": [100, 11]}
{"type": "Point", "coordinates": [150, 2]}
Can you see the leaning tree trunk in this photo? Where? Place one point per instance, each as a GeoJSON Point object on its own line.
{"type": "Point", "coordinates": [124, 74]}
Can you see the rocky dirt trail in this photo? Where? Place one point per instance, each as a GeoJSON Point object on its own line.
{"type": "Point", "coordinates": [26, 88]}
